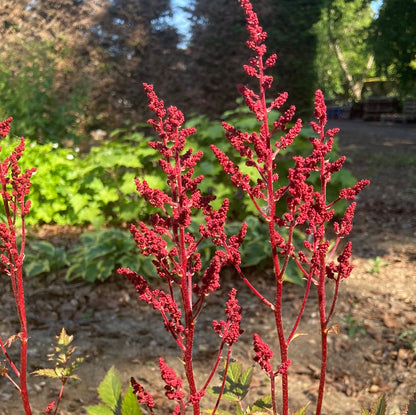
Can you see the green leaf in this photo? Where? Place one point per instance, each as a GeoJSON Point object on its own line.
{"type": "Point", "coordinates": [245, 381]}
{"type": "Point", "coordinates": [45, 247]}
{"type": "Point", "coordinates": [109, 389]}
{"type": "Point", "coordinates": [234, 372]}
{"type": "Point", "coordinates": [36, 267]}
{"type": "Point", "coordinates": [128, 185]}
{"type": "Point", "coordinates": [79, 201]}
{"type": "Point", "coordinates": [379, 406]}
{"type": "Point", "coordinates": [49, 373]}
{"type": "Point", "coordinates": [263, 403]}
{"type": "Point", "coordinates": [301, 411]}
{"type": "Point", "coordinates": [254, 252]}
{"type": "Point", "coordinates": [130, 406]}
{"type": "Point", "coordinates": [412, 406]}
{"type": "Point", "coordinates": [98, 410]}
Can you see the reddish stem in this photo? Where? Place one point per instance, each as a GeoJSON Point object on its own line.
{"type": "Point", "coordinates": [60, 396]}
{"type": "Point", "coordinates": [324, 334]}
{"type": "Point", "coordinates": [224, 379]}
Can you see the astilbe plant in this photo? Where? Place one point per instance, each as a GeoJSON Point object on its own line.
{"type": "Point", "coordinates": [307, 208]}
{"type": "Point", "coordinates": [15, 188]}
{"type": "Point", "coordinates": [174, 247]}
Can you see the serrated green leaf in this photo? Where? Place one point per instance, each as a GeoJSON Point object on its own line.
{"type": "Point", "coordinates": [379, 406]}
{"type": "Point", "coordinates": [108, 195]}
{"type": "Point", "coordinates": [91, 213]}
{"type": "Point", "coordinates": [109, 389]}
{"type": "Point", "coordinates": [98, 410]}
{"type": "Point", "coordinates": [128, 185]}
{"type": "Point", "coordinates": [263, 403]}
{"type": "Point", "coordinates": [364, 412]}
{"type": "Point", "coordinates": [79, 201]}
{"type": "Point", "coordinates": [234, 372]}
{"type": "Point", "coordinates": [245, 381]}
{"type": "Point", "coordinates": [49, 373]}
{"type": "Point", "coordinates": [228, 395]}
{"type": "Point", "coordinates": [301, 411]}
{"type": "Point", "coordinates": [130, 406]}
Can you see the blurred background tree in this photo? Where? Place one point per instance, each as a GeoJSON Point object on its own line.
{"type": "Point", "coordinates": [71, 66]}
{"type": "Point", "coordinates": [289, 24]}
{"type": "Point", "coordinates": [393, 40]}
{"type": "Point", "coordinates": [344, 59]}
{"type": "Point", "coordinates": [216, 53]}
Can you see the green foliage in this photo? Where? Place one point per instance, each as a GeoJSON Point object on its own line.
{"type": "Point", "coordinates": [411, 410]}
{"type": "Point", "coordinates": [409, 338]}
{"type": "Point", "coordinates": [255, 252]}
{"type": "Point", "coordinates": [98, 187]}
{"type": "Point", "coordinates": [28, 93]}
{"type": "Point", "coordinates": [376, 264]}
{"type": "Point", "coordinates": [113, 403]}
{"type": "Point", "coordinates": [100, 252]}
{"type": "Point", "coordinates": [237, 385]}
{"type": "Point", "coordinates": [290, 28]}
{"type": "Point", "coordinates": [343, 56]}
{"type": "Point", "coordinates": [62, 356]}
{"type": "Point", "coordinates": [393, 41]}
{"type": "Point", "coordinates": [353, 326]}
{"type": "Point", "coordinates": [42, 257]}
{"type": "Point", "coordinates": [302, 411]}
{"type": "Point", "coordinates": [379, 407]}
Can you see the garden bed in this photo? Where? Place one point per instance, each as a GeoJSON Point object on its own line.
{"type": "Point", "coordinates": [371, 355]}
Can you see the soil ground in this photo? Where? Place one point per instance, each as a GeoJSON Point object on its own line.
{"type": "Point", "coordinates": [377, 305]}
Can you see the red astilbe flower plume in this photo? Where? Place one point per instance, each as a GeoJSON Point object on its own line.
{"type": "Point", "coordinates": [263, 354]}
{"type": "Point", "coordinates": [173, 385]}
{"type": "Point", "coordinates": [142, 395]}
{"type": "Point", "coordinates": [229, 330]}
{"type": "Point", "coordinates": [300, 200]}
{"type": "Point", "coordinates": [173, 243]}
{"type": "Point", "coordinates": [5, 127]}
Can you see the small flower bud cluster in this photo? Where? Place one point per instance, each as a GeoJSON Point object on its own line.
{"type": "Point", "coordinates": [5, 127]}
{"type": "Point", "coordinates": [173, 385]}
{"type": "Point", "coordinates": [142, 395]}
{"type": "Point", "coordinates": [229, 330]}
{"type": "Point", "coordinates": [263, 354]}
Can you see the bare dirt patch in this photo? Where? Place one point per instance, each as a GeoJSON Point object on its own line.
{"type": "Point", "coordinates": [368, 357]}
